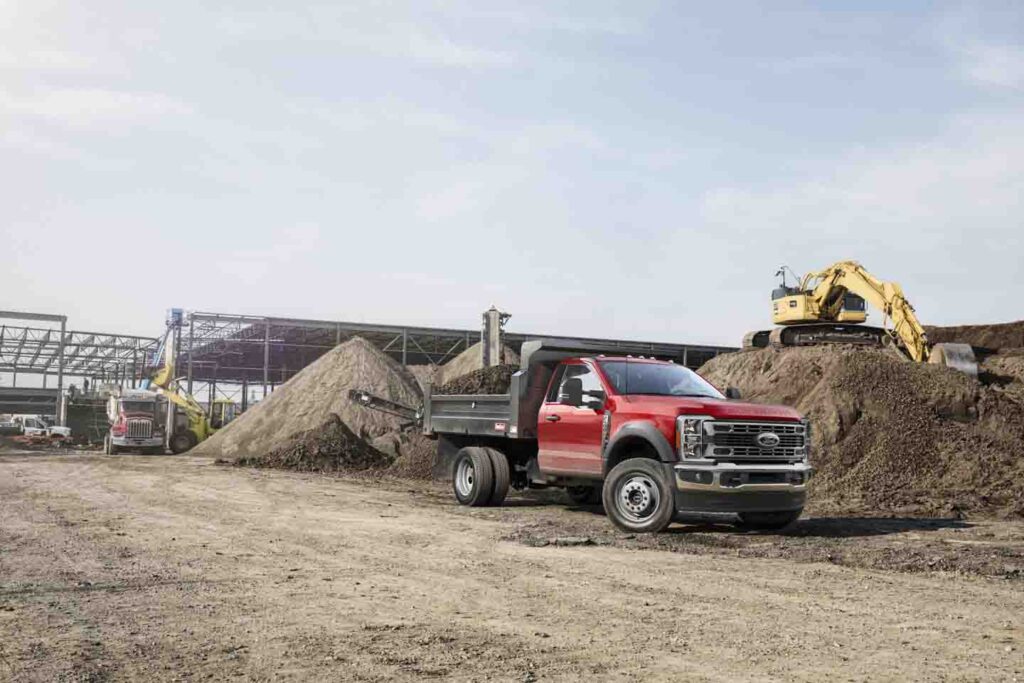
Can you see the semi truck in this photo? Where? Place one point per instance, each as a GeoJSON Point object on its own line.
{"type": "Point", "coordinates": [649, 439]}
{"type": "Point", "coordinates": [136, 422]}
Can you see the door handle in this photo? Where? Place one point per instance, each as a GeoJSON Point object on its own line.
{"type": "Point", "coordinates": [553, 418]}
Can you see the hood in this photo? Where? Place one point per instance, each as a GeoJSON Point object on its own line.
{"type": "Point", "coordinates": [717, 408]}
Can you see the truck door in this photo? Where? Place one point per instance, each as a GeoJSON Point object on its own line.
{"type": "Point", "coordinates": [569, 422]}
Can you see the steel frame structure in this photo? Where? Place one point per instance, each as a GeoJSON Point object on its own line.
{"type": "Point", "coordinates": [222, 355]}
{"type": "Point", "coordinates": [265, 351]}
{"type": "Point", "coordinates": [29, 350]}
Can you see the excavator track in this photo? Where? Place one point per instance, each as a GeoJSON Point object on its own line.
{"type": "Point", "coordinates": [827, 333]}
{"type": "Point", "coordinates": [757, 339]}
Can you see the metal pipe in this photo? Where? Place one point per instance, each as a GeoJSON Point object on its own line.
{"type": "Point", "coordinates": [266, 357]}
{"type": "Point", "coordinates": [60, 372]}
{"type": "Point", "coordinates": [191, 335]}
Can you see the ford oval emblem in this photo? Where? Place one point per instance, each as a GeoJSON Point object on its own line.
{"type": "Point", "coordinates": [768, 440]}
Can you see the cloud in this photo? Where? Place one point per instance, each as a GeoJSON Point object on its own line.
{"type": "Point", "coordinates": [44, 59]}
{"type": "Point", "coordinates": [971, 174]}
{"type": "Point", "coordinates": [92, 107]}
{"type": "Point", "coordinates": [255, 266]}
{"type": "Point", "coordinates": [983, 53]}
{"type": "Point", "coordinates": [345, 27]}
{"type": "Point", "coordinates": [994, 66]}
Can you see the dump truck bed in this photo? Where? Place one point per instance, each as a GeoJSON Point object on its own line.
{"type": "Point", "coordinates": [476, 414]}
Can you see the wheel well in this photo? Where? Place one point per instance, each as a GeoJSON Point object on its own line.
{"type": "Point", "coordinates": [631, 447]}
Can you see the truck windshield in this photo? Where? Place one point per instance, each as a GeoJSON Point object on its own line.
{"type": "Point", "coordinates": [656, 379]}
{"type": "Point", "coordinates": [137, 406]}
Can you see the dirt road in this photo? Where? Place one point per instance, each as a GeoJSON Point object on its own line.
{"type": "Point", "coordinates": [144, 568]}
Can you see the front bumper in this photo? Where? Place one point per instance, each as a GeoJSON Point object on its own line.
{"type": "Point", "coordinates": [734, 487]}
{"type": "Point", "coordinates": [131, 442]}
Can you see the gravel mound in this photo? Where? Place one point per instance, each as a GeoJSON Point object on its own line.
{"type": "Point", "coordinates": [308, 400]}
{"type": "Point", "coordinates": [494, 380]}
{"type": "Point", "coordinates": [1001, 336]}
{"type": "Point", "coordinates": [891, 435]}
{"type": "Point", "coordinates": [329, 447]}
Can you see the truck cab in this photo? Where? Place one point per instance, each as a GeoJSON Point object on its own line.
{"type": "Point", "coordinates": [135, 422]}
{"type": "Point", "coordinates": [649, 439]}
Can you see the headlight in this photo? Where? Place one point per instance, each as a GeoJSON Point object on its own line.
{"type": "Point", "coordinates": [690, 436]}
{"type": "Point", "coordinates": [807, 438]}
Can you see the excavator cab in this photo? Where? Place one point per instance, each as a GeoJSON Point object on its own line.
{"type": "Point", "coordinates": [855, 309]}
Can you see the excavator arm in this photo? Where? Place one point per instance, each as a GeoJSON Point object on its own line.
{"type": "Point", "coordinates": [824, 309]}
{"type": "Point", "coordinates": [849, 276]}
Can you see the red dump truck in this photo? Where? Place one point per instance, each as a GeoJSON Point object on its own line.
{"type": "Point", "coordinates": [650, 439]}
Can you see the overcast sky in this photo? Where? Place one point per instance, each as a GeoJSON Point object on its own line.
{"type": "Point", "coordinates": [633, 169]}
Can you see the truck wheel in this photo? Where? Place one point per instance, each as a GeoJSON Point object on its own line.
{"type": "Point", "coordinates": [182, 441]}
{"type": "Point", "coordinates": [502, 476]}
{"type": "Point", "coordinates": [638, 497]}
{"type": "Point", "coordinates": [584, 495]}
{"type": "Point", "coordinates": [768, 521]}
{"type": "Point", "coordinates": [474, 477]}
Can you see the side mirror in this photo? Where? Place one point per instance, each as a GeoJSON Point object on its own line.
{"type": "Point", "coordinates": [732, 393]}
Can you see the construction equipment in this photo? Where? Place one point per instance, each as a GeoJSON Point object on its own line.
{"type": "Point", "coordinates": [829, 307]}
{"type": "Point", "coordinates": [196, 425]}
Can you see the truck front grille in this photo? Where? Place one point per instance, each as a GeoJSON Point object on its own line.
{"type": "Point", "coordinates": [139, 429]}
{"type": "Point", "coordinates": [739, 440]}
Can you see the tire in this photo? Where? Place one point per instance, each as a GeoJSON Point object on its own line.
{"type": "Point", "coordinates": [584, 495]}
{"type": "Point", "coordinates": [638, 496]}
{"type": "Point", "coordinates": [473, 480]}
{"type": "Point", "coordinates": [182, 441]}
{"type": "Point", "coordinates": [768, 521]}
{"type": "Point", "coordinates": [502, 476]}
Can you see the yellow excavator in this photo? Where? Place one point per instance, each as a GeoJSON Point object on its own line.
{"type": "Point", "coordinates": [829, 307]}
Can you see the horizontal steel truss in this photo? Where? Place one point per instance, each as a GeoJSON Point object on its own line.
{"type": "Point", "coordinates": [257, 350]}
{"type": "Point", "coordinates": [32, 350]}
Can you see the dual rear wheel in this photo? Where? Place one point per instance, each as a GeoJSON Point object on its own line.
{"type": "Point", "coordinates": [481, 477]}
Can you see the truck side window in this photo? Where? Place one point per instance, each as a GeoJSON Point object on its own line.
{"type": "Point", "coordinates": [577, 382]}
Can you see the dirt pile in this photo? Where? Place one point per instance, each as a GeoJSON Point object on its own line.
{"type": "Point", "coordinates": [415, 457]}
{"type": "Point", "coordinates": [308, 400]}
{"type": "Point", "coordinates": [1006, 370]}
{"type": "Point", "coordinates": [891, 435]}
{"type": "Point", "coordinates": [329, 447]}
{"type": "Point", "coordinates": [424, 374]}
{"type": "Point", "coordinates": [1001, 336]}
{"type": "Point", "coordinates": [469, 360]}
{"type": "Point", "coordinates": [494, 380]}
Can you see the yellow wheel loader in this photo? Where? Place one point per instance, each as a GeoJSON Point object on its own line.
{"type": "Point", "coordinates": [193, 424]}
{"type": "Point", "coordinates": [829, 307]}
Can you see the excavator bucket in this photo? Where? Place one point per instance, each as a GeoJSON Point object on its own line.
{"type": "Point", "coordinates": [957, 356]}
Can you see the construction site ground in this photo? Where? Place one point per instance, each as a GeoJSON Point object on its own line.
{"type": "Point", "coordinates": [142, 568]}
